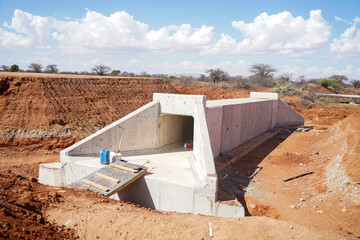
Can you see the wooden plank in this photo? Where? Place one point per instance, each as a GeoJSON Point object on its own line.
{"type": "Point", "coordinates": [95, 185]}
{"type": "Point", "coordinates": [123, 168]}
{"type": "Point", "coordinates": [106, 177]}
{"type": "Point", "coordinates": [127, 183]}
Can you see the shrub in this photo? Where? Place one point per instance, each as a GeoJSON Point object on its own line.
{"type": "Point", "coordinates": [262, 81]}
{"type": "Point", "coordinates": [329, 83]}
{"type": "Point", "coordinates": [115, 73]}
{"type": "Point", "coordinates": [14, 68]}
{"type": "Point", "coordinates": [285, 88]}
{"type": "Point", "coordinates": [242, 84]}
{"type": "Point", "coordinates": [323, 100]}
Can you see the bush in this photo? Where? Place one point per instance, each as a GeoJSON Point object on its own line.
{"type": "Point", "coordinates": [285, 88]}
{"type": "Point", "coordinates": [262, 81]}
{"type": "Point", "coordinates": [14, 68]}
{"type": "Point", "coordinates": [323, 100]}
{"type": "Point", "coordinates": [329, 83]}
{"type": "Point", "coordinates": [115, 73]}
{"type": "Point", "coordinates": [242, 84]}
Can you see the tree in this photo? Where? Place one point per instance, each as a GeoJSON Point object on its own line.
{"type": "Point", "coordinates": [202, 77]}
{"type": "Point", "coordinates": [301, 79]}
{"type": "Point", "coordinates": [51, 68]}
{"type": "Point", "coordinates": [5, 68]}
{"type": "Point", "coordinates": [217, 75]}
{"type": "Point", "coordinates": [262, 70]}
{"type": "Point", "coordinates": [35, 67]}
{"type": "Point", "coordinates": [144, 74]}
{"type": "Point", "coordinates": [101, 69]}
{"type": "Point", "coordinates": [115, 72]}
{"type": "Point", "coordinates": [125, 74]}
{"type": "Point", "coordinates": [286, 77]}
{"type": "Point", "coordinates": [329, 83]}
{"type": "Point", "coordinates": [356, 83]}
{"type": "Point", "coordinates": [340, 78]}
{"type": "Point", "coordinates": [14, 68]}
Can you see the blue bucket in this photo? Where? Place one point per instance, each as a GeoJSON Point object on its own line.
{"type": "Point", "coordinates": [105, 157]}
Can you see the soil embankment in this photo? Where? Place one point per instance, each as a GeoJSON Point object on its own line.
{"type": "Point", "coordinates": [54, 111]}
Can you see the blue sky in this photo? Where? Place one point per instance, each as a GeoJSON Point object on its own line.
{"type": "Point", "coordinates": [311, 38]}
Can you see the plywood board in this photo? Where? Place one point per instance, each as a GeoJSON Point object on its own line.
{"type": "Point", "coordinates": [125, 178]}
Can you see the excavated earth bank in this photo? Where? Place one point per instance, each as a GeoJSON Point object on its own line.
{"type": "Point", "coordinates": [54, 111]}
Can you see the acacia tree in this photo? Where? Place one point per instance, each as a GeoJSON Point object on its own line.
{"type": "Point", "coordinates": [101, 69]}
{"type": "Point", "coordinates": [339, 78]}
{"type": "Point", "coordinates": [356, 83]}
{"type": "Point", "coordinates": [51, 68]}
{"type": "Point", "coordinates": [5, 68]}
{"type": "Point", "coordinates": [262, 70]}
{"type": "Point", "coordinates": [217, 75]}
{"type": "Point", "coordinates": [115, 72]}
{"type": "Point", "coordinates": [35, 67]}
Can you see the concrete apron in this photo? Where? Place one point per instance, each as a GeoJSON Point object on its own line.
{"type": "Point", "coordinates": [169, 184]}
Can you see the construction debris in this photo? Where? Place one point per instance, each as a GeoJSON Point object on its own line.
{"type": "Point", "coordinates": [295, 177]}
{"type": "Point", "coordinates": [256, 172]}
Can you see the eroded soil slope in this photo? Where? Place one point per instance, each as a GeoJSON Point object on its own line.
{"type": "Point", "coordinates": [38, 109]}
{"type": "Point", "coordinates": [328, 198]}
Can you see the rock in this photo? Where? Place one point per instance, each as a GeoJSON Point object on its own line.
{"type": "Point", "coordinates": [293, 206]}
{"type": "Point", "coordinates": [319, 212]}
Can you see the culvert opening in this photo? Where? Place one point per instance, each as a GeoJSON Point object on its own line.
{"type": "Point", "coordinates": [175, 130]}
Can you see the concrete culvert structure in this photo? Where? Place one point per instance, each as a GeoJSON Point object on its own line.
{"type": "Point", "coordinates": [178, 179]}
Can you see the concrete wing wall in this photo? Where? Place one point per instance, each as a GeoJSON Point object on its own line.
{"type": "Point", "coordinates": [138, 131]}
{"type": "Point", "coordinates": [287, 116]}
{"type": "Point", "coordinates": [243, 122]}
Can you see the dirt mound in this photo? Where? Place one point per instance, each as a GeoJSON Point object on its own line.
{"type": "Point", "coordinates": [22, 203]}
{"type": "Point", "coordinates": [328, 198]}
{"type": "Point", "coordinates": [345, 135]}
{"type": "Point", "coordinates": [58, 102]}
{"type": "Point", "coordinates": [69, 106]}
{"type": "Point", "coordinates": [212, 94]}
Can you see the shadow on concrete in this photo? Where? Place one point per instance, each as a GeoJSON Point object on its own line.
{"type": "Point", "coordinates": [233, 180]}
{"type": "Point", "coordinates": [137, 193]}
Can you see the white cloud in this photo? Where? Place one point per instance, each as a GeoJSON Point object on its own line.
{"type": "Point", "coordinates": [96, 33]}
{"type": "Point", "coordinates": [339, 19]}
{"type": "Point", "coordinates": [348, 44]}
{"type": "Point", "coordinates": [279, 33]}
{"type": "Point", "coordinates": [30, 31]}
{"type": "Point", "coordinates": [349, 71]}
{"type": "Point", "coordinates": [121, 32]}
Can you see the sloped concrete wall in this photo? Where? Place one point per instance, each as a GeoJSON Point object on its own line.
{"type": "Point", "coordinates": [137, 129]}
{"type": "Point", "coordinates": [287, 116]}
